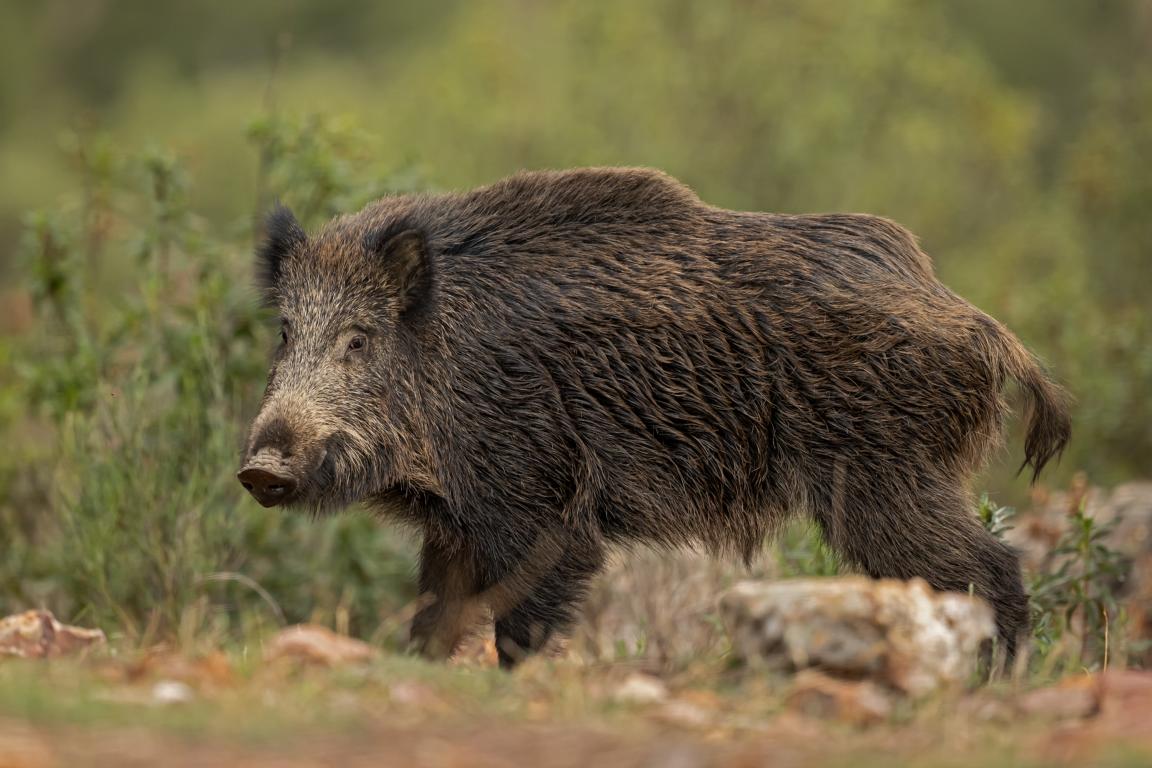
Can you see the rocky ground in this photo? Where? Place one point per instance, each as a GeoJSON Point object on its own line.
{"type": "Point", "coordinates": [679, 661]}
{"type": "Point", "coordinates": [818, 672]}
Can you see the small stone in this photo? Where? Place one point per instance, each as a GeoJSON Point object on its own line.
{"type": "Point", "coordinates": [319, 645]}
{"type": "Point", "coordinates": [684, 714]}
{"type": "Point", "coordinates": [857, 702]}
{"type": "Point", "coordinates": [409, 693]}
{"type": "Point", "coordinates": [172, 692]}
{"type": "Point", "coordinates": [38, 635]}
{"type": "Point", "coordinates": [1072, 699]}
{"type": "Point", "coordinates": [641, 689]}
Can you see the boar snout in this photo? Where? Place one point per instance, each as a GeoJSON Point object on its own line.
{"type": "Point", "coordinates": [267, 479]}
{"type": "Point", "coordinates": [284, 462]}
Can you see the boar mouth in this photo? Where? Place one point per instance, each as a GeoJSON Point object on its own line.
{"type": "Point", "coordinates": [322, 484]}
{"type": "Point", "coordinates": [321, 492]}
{"type": "Point", "coordinates": [269, 478]}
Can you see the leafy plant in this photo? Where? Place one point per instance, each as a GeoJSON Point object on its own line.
{"type": "Point", "coordinates": [1073, 596]}
{"type": "Point", "coordinates": [996, 520]}
{"type": "Point", "coordinates": [138, 376]}
{"type": "Point", "coordinates": [1076, 597]}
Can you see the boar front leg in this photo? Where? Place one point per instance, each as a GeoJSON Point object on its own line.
{"type": "Point", "coordinates": [542, 601]}
{"type": "Point", "coordinates": [449, 587]}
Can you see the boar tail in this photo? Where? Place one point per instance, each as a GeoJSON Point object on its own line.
{"type": "Point", "coordinates": [1049, 423]}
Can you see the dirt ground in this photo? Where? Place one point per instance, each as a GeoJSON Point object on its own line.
{"type": "Point", "coordinates": [223, 709]}
{"type": "Point", "coordinates": [789, 742]}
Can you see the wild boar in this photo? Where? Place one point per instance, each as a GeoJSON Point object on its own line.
{"type": "Point", "coordinates": [563, 361]}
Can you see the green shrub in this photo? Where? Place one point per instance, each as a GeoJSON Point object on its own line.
{"type": "Point", "coordinates": [148, 354]}
{"type": "Point", "coordinates": [1075, 613]}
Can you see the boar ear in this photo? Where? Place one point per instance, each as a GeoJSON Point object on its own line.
{"type": "Point", "coordinates": [282, 234]}
{"type": "Point", "coordinates": [405, 256]}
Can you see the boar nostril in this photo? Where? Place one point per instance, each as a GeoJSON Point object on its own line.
{"type": "Point", "coordinates": [268, 487]}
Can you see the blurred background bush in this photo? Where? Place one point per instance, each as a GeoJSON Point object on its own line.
{"type": "Point", "coordinates": [1014, 138]}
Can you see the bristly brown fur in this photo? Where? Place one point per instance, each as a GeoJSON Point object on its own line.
{"type": "Point", "coordinates": [599, 358]}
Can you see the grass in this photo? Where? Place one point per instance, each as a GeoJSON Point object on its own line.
{"type": "Point", "coordinates": [254, 702]}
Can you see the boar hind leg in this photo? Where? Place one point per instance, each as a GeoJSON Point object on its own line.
{"type": "Point", "coordinates": [449, 590]}
{"type": "Point", "coordinates": [906, 526]}
{"type": "Point", "coordinates": [537, 603]}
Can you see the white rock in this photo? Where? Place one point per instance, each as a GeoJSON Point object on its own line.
{"type": "Point", "coordinates": [684, 714]}
{"type": "Point", "coordinates": [37, 635]}
{"type": "Point", "coordinates": [900, 634]}
{"type": "Point", "coordinates": [641, 689]}
{"type": "Point", "coordinates": [171, 692]}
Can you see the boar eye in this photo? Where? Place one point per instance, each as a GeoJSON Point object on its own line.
{"type": "Point", "coordinates": [357, 343]}
{"type": "Point", "coordinates": [283, 335]}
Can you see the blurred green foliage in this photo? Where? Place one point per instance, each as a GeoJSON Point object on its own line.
{"type": "Point", "coordinates": [1013, 138]}
{"type": "Point", "coordinates": [140, 380]}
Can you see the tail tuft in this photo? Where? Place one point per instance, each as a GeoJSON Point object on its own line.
{"type": "Point", "coordinates": [1050, 425]}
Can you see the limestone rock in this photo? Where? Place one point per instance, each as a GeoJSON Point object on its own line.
{"type": "Point", "coordinates": [37, 635]}
{"type": "Point", "coordinates": [900, 634]}
{"type": "Point", "coordinates": [172, 692]}
{"type": "Point", "coordinates": [641, 689]}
